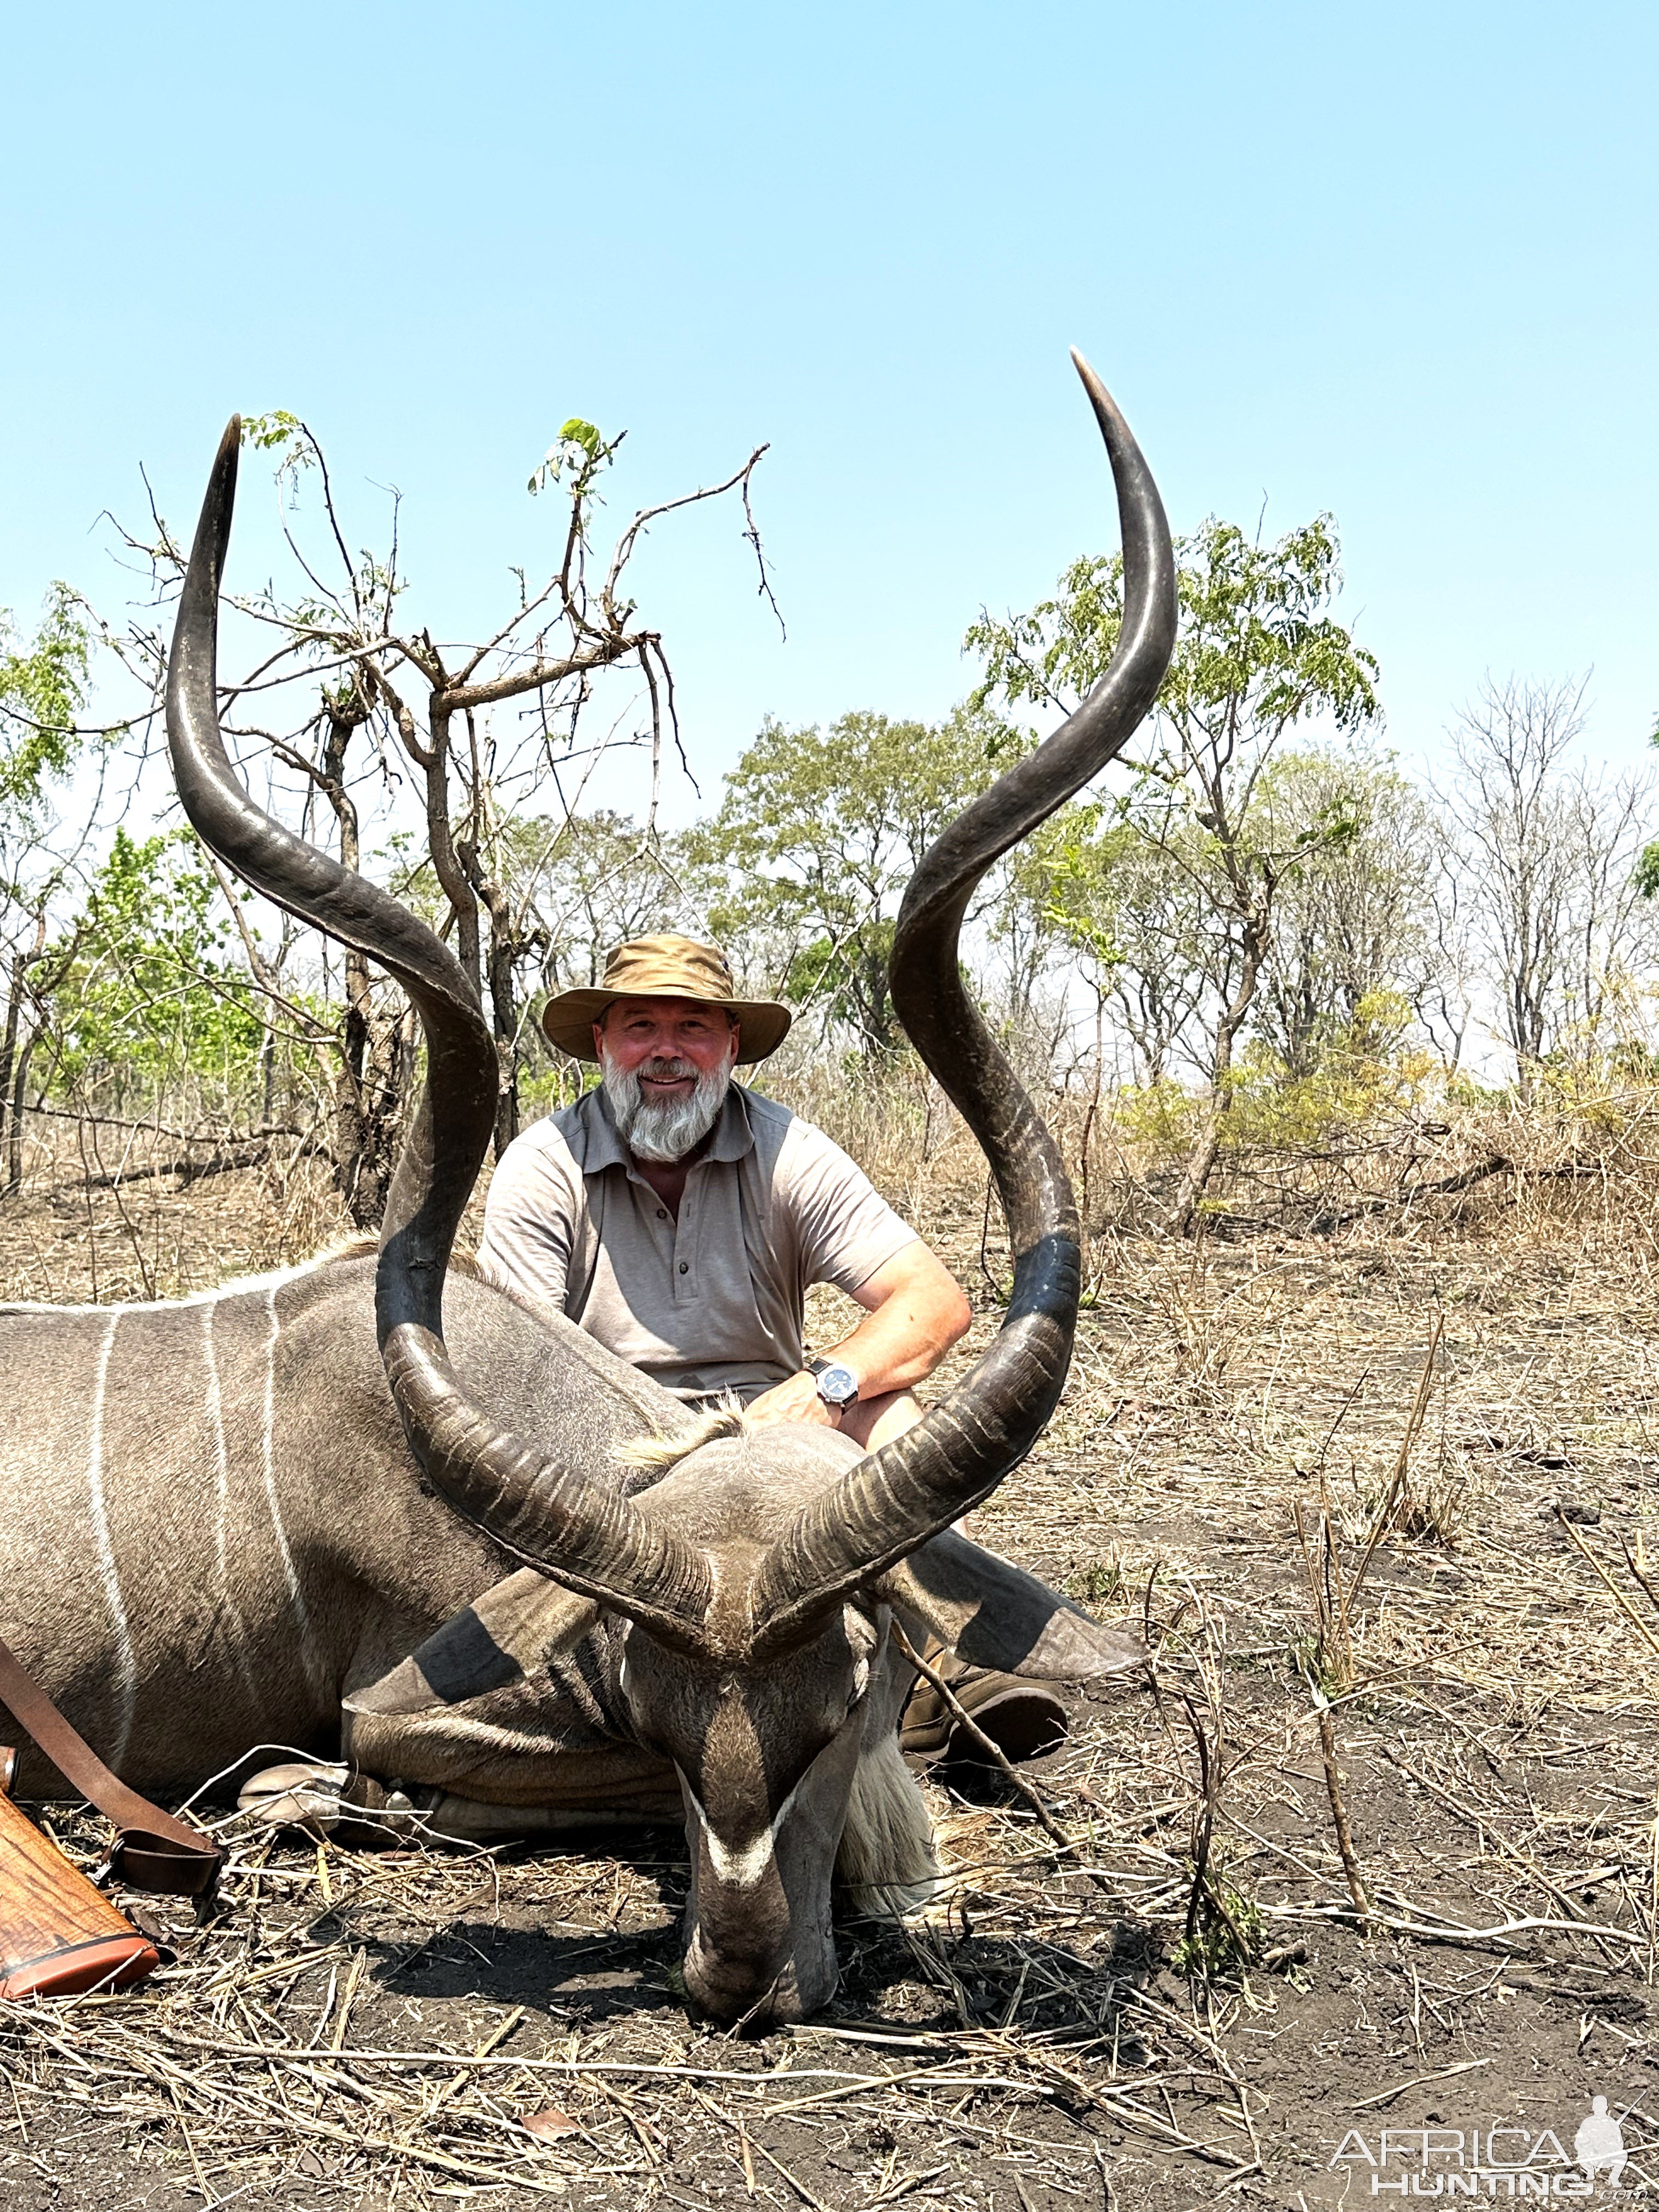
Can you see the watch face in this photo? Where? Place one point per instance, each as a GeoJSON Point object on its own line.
{"type": "Point", "coordinates": [838, 1386]}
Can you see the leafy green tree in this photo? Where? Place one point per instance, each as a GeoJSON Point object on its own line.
{"type": "Point", "coordinates": [153, 986]}
{"type": "Point", "coordinates": [1258, 652]}
{"type": "Point", "coordinates": [43, 692]}
{"type": "Point", "coordinates": [1128, 916]}
{"type": "Point", "coordinates": [1354, 917]}
{"type": "Point", "coordinates": [816, 836]}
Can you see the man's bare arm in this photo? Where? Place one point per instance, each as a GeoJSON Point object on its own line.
{"type": "Point", "coordinates": [917, 1311]}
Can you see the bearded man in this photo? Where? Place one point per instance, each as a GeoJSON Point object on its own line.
{"type": "Point", "coordinates": [681, 1218]}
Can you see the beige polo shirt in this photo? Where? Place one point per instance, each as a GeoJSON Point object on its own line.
{"type": "Point", "coordinates": [711, 1302]}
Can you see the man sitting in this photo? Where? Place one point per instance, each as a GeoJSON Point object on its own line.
{"type": "Point", "coordinates": [681, 1219]}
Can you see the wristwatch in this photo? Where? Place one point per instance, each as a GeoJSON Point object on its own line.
{"type": "Point", "coordinates": [838, 1386]}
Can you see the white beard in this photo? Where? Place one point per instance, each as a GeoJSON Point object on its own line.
{"type": "Point", "coordinates": [664, 1130]}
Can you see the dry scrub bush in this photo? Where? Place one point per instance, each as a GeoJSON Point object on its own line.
{"type": "Point", "coordinates": [114, 1207]}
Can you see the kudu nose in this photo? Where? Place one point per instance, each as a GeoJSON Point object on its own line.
{"type": "Point", "coordinates": [736, 1993]}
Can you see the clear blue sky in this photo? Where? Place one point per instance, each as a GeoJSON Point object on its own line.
{"type": "Point", "coordinates": [1397, 262]}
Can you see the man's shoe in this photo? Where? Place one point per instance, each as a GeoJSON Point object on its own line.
{"type": "Point", "coordinates": [326, 1798]}
{"type": "Point", "coordinates": [1022, 1719]}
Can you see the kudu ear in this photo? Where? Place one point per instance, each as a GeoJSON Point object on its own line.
{"type": "Point", "coordinates": [993, 1613]}
{"type": "Point", "coordinates": [518, 1627]}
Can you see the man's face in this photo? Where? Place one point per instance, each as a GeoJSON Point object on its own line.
{"type": "Point", "coordinates": [667, 1063]}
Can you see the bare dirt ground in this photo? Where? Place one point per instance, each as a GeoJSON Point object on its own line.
{"type": "Point", "coordinates": [1171, 1991]}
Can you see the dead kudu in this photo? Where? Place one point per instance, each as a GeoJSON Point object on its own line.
{"type": "Point", "coordinates": [375, 1504]}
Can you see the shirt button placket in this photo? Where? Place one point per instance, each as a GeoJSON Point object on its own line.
{"type": "Point", "coordinates": [685, 1282]}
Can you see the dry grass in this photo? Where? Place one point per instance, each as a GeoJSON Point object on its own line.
{"type": "Point", "coordinates": [1187, 1997]}
{"type": "Point", "coordinates": [94, 1221]}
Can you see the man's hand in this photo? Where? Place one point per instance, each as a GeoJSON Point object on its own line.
{"type": "Point", "coordinates": [797, 1400]}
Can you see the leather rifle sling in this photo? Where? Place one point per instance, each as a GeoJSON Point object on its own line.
{"type": "Point", "coordinates": [152, 1851]}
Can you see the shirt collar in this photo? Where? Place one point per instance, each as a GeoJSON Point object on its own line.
{"type": "Point", "coordinates": [732, 1136]}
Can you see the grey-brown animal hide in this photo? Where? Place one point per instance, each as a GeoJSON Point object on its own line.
{"type": "Point", "coordinates": [211, 1526]}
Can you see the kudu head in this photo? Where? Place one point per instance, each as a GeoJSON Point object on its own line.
{"type": "Point", "coordinates": [758, 1579]}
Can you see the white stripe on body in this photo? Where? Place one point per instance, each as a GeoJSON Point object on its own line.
{"type": "Point", "coordinates": [215, 1419]}
{"type": "Point", "coordinates": [216, 1416]}
{"type": "Point", "coordinates": [267, 1464]}
{"type": "Point", "coordinates": [127, 1666]}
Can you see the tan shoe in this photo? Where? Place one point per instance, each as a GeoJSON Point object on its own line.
{"type": "Point", "coordinates": [1022, 1719]}
{"type": "Point", "coordinates": [325, 1797]}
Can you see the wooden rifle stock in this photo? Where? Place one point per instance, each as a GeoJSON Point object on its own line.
{"type": "Point", "coordinates": [59, 1934]}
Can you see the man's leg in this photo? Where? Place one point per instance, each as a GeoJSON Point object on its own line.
{"type": "Point", "coordinates": [873, 1422]}
{"type": "Point", "coordinates": [1021, 1718]}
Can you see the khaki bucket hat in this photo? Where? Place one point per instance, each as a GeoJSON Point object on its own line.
{"type": "Point", "coordinates": [666, 967]}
